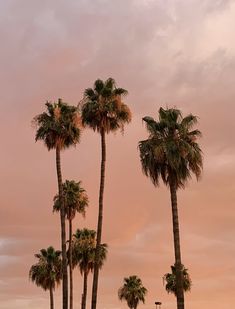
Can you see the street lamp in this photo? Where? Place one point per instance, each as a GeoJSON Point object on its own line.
{"type": "Point", "coordinates": [158, 304]}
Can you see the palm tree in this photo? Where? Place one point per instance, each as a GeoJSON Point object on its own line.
{"type": "Point", "coordinates": [170, 279]}
{"type": "Point", "coordinates": [59, 128]}
{"type": "Point", "coordinates": [103, 110]}
{"type": "Point", "coordinates": [47, 272]}
{"type": "Point", "coordinates": [84, 245]}
{"type": "Point", "coordinates": [132, 291]}
{"type": "Point", "coordinates": [172, 154]}
{"type": "Point", "coordinates": [75, 200]}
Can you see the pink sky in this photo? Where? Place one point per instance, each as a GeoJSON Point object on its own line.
{"type": "Point", "coordinates": [166, 53]}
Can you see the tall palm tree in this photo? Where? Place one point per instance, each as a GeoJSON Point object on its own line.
{"type": "Point", "coordinates": [103, 110]}
{"type": "Point", "coordinates": [75, 200]}
{"type": "Point", "coordinates": [84, 245]}
{"type": "Point", "coordinates": [59, 128]}
{"type": "Point", "coordinates": [172, 153]}
{"type": "Point", "coordinates": [47, 272]}
{"type": "Point", "coordinates": [170, 280]}
{"type": "Point", "coordinates": [132, 291]}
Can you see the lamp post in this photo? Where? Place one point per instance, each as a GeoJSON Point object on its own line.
{"type": "Point", "coordinates": [158, 304]}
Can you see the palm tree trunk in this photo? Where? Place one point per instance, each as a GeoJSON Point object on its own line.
{"type": "Point", "coordinates": [100, 219]}
{"type": "Point", "coordinates": [63, 233]}
{"type": "Point", "coordinates": [84, 295]}
{"type": "Point", "coordinates": [51, 299]}
{"type": "Point", "coordinates": [70, 264]}
{"type": "Point", "coordinates": [176, 233]}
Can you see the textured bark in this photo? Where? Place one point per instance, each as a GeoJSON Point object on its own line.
{"type": "Point", "coordinates": [51, 299]}
{"type": "Point", "coordinates": [70, 265]}
{"type": "Point", "coordinates": [84, 295]}
{"type": "Point", "coordinates": [63, 233]}
{"type": "Point", "coordinates": [176, 233]}
{"type": "Point", "coordinates": [100, 220]}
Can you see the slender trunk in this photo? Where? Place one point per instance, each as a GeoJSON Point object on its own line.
{"type": "Point", "coordinates": [84, 295]}
{"type": "Point", "coordinates": [63, 233]}
{"type": "Point", "coordinates": [100, 219]}
{"type": "Point", "coordinates": [70, 264]}
{"type": "Point", "coordinates": [178, 264]}
{"type": "Point", "coordinates": [51, 299]}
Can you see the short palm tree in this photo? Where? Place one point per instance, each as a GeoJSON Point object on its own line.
{"type": "Point", "coordinates": [59, 128]}
{"type": "Point", "coordinates": [47, 272]}
{"type": "Point", "coordinates": [75, 200]}
{"type": "Point", "coordinates": [170, 280]}
{"type": "Point", "coordinates": [102, 110]}
{"type": "Point", "coordinates": [84, 245]}
{"type": "Point", "coordinates": [172, 153]}
{"type": "Point", "coordinates": [132, 291]}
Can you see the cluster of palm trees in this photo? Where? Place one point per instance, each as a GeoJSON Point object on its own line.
{"type": "Point", "coordinates": [59, 128]}
{"type": "Point", "coordinates": [170, 152]}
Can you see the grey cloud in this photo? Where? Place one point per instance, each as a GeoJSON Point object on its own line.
{"type": "Point", "coordinates": [217, 5]}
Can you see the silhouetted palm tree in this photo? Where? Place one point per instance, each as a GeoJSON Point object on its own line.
{"type": "Point", "coordinates": [59, 128]}
{"type": "Point", "coordinates": [172, 154]}
{"type": "Point", "coordinates": [170, 280]}
{"type": "Point", "coordinates": [132, 291]}
{"type": "Point", "coordinates": [75, 200]}
{"type": "Point", "coordinates": [103, 110]}
{"type": "Point", "coordinates": [47, 272]}
{"type": "Point", "coordinates": [84, 246]}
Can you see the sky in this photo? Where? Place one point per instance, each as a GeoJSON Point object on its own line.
{"type": "Point", "coordinates": [169, 53]}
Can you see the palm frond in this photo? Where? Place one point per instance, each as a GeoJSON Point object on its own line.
{"type": "Point", "coordinates": [75, 199]}
{"type": "Point", "coordinates": [171, 150]}
{"type": "Point", "coordinates": [102, 107]}
{"type": "Point", "coordinates": [169, 280]}
{"type": "Point", "coordinates": [59, 126]}
{"type": "Point", "coordinates": [132, 291]}
{"type": "Point", "coordinates": [47, 272]}
{"type": "Point", "coordinates": [84, 247]}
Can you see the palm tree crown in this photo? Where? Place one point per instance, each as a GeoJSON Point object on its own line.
{"type": "Point", "coordinates": [132, 291]}
{"type": "Point", "coordinates": [170, 279]}
{"type": "Point", "coordinates": [84, 244]}
{"type": "Point", "coordinates": [47, 272]}
{"type": "Point", "coordinates": [102, 107]}
{"type": "Point", "coordinates": [59, 126]}
{"type": "Point", "coordinates": [171, 151]}
{"type": "Point", "coordinates": [75, 199]}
